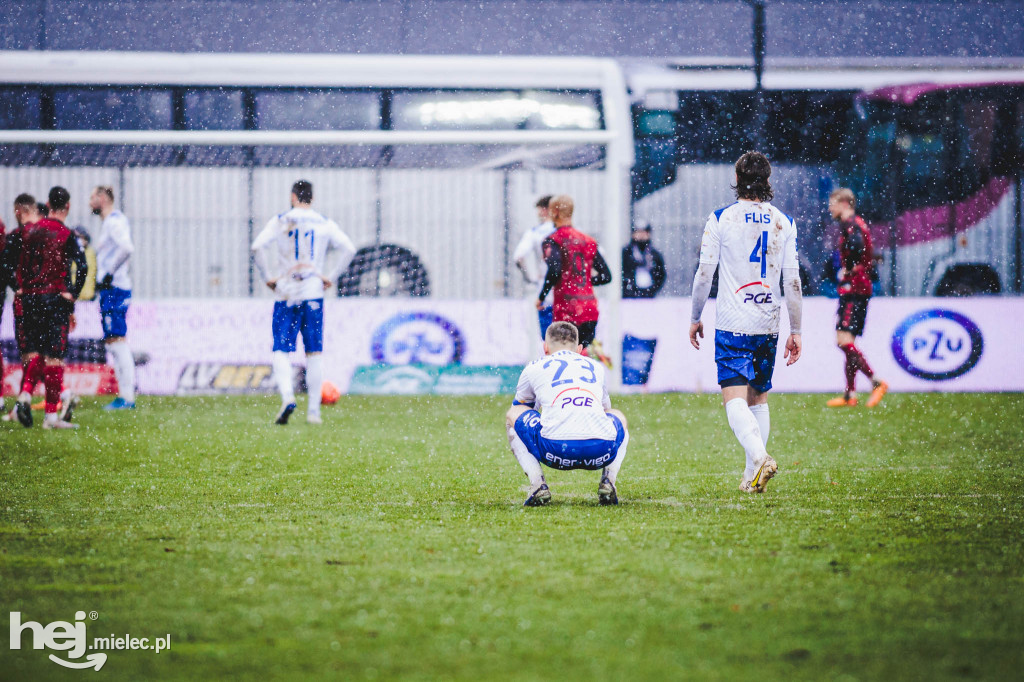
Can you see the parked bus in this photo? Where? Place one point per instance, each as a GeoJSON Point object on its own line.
{"type": "Point", "coordinates": [433, 163]}
{"type": "Point", "coordinates": [933, 151]}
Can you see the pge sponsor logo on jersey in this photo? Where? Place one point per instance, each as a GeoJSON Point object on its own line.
{"type": "Point", "coordinates": [756, 296]}
{"type": "Point", "coordinates": [937, 344]}
{"type": "Point", "coordinates": [419, 338]}
{"type": "Point", "coordinates": [576, 399]}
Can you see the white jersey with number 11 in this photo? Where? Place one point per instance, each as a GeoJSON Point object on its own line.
{"type": "Point", "coordinates": [294, 247]}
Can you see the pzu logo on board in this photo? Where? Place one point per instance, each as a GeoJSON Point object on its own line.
{"type": "Point", "coordinates": [937, 344]}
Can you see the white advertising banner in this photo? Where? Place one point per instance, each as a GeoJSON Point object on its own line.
{"type": "Point", "coordinates": [927, 344]}
{"type": "Point", "coordinates": [915, 344]}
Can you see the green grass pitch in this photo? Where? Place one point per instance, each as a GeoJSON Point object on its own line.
{"type": "Point", "coordinates": [390, 544]}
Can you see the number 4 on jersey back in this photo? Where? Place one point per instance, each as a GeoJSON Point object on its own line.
{"type": "Point", "coordinates": [760, 253]}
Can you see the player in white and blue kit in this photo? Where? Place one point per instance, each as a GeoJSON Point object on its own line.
{"type": "Point", "coordinates": [114, 250]}
{"type": "Point", "coordinates": [300, 254]}
{"type": "Point", "coordinates": [753, 246]}
{"type": "Point", "coordinates": [562, 417]}
{"type": "Point", "coordinates": [529, 258]}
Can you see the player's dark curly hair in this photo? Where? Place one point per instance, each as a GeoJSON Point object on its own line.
{"type": "Point", "coordinates": [752, 173]}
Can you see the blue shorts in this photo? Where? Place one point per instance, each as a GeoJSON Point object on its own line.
{"type": "Point", "coordinates": [113, 311]}
{"type": "Point", "coordinates": [745, 359]}
{"type": "Point", "coordinates": [306, 317]}
{"type": "Point", "coordinates": [545, 316]}
{"type": "Point", "coordinates": [568, 454]}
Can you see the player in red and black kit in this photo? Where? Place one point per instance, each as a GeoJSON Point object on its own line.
{"type": "Point", "coordinates": [855, 290]}
{"type": "Point", "coordinates": [41, 254]}
{"type": "Point", "coordinates": [575, 266]}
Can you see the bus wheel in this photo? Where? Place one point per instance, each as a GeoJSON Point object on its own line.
{"type": "Point", "coordinates": [968, 280]}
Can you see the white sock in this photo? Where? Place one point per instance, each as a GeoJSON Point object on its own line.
{"type": "Point", "coordinates": [529, 463]}
{"type": "Point", "coordinates": [764, 421]}
{"type": "Point", "coordinates": [283, 376]}
{"type": "Point", "coordinates": [744, 425]}
{"type": "Point", "coordinates": [612, 470]}
{"type": "Point", "coordinates": [124, 369]}
{"type": "Point", "coordinates": [314, 382]}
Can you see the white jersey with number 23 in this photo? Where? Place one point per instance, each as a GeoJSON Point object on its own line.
{"type": "Point", "coordinates": [571, 394]}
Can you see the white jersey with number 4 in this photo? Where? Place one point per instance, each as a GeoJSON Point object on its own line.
{"type": "Point", "coordinates": [751, 242]}
{"type": "Point", "coordinates": [570, 392]}
{"type": "Point", "coordinates": [294, 248]}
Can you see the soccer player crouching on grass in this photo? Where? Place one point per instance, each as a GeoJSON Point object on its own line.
{"type": "Point", "coordinates": [562, 417]}
{"type": "Point", "coordinates": [753, 245]}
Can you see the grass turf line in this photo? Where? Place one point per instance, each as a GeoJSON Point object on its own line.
{"type": "Point", "coordinates": [390, 543]}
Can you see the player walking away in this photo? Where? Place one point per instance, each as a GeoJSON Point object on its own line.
{"type": "Point", "coordinates": [300, 254]}
{"type": "Point", "coordinates": [43, 253]}
{"type": "Point", "coordinates": [114, 250]}
{"type": "Point", "coordinates": [753, 245]}
{"type": "Point", "coordinates": [855, 289]}
{"type": "Point", "coordinates": [529, 258]}
{"type": "Point", "coordinates": [562, 417]}
{"type": "Point", "coordinates": [575, 267]}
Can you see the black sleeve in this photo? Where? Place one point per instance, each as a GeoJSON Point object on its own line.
{"type": "Point", "coordinates": [854, 247]}
{"type": "Point", "coordinates": [9, 261]}
{"type": "Point", "coordinates": [658, 271]}
{"type": "Point", "coordinates": [603, 273]}
{"type": "Point", "coordinates": [553, 257]}
{"type": "Point", "coordinates": [75, 254]}
{"type": "Point", "coordinates": [628, 273]}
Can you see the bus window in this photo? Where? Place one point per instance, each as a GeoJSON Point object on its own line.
{"type": "Point", "coordinates": [804, 127]}
{"type": "Point", "coordinates": [317, 110]}
{"type": "Point", "coordinates": [214, 109]}
{"type": "Point", "coordinates": [553, 110]}
{"type": "Point", "coordinates": [713, 126]}
{"type": "Point", "coordinates": [922, 181]}
{"type": "Point", "coordinates": [471, 110]}
{"type": "Point", "coordinates": [19, 109]}
{"type": "Point", "coordinates": [496, 110]}
{"type": "Point", "coordinates": [654, 149]}
{"type": "Point", "coordinates": [112, 109]}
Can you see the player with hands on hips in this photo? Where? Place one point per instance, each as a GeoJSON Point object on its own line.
{"type": "Point", "coordinates": [300, 254]}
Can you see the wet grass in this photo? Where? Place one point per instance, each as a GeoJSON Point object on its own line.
{"type": "Point", "coordinates": [390, 543]}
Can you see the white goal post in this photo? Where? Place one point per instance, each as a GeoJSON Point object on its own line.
{"type": "Point", "coordinates": [211, 210]}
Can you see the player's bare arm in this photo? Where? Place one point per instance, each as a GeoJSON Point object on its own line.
{"type": "Point", "coordinates": [696, 330]}
{"type": "Point", "coordinates": [794, 307]}
{"type": "Point", "coordinates": [793, 348]}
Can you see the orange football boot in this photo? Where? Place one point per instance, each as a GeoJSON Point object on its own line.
{"type": "Point", "coordinates": [843, 401]}
{"type": "Point", "coordinates": [877, 394]}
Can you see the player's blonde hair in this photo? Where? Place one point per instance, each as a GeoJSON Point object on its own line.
{"type": "Point", "coordinates": [105, 189]}
{"type": "Point", "coordinates": [844, 195]}
{"type": "Point", "coordinates": [562, 335]}
{"type": "Point", "coordinates": [563, 204]}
